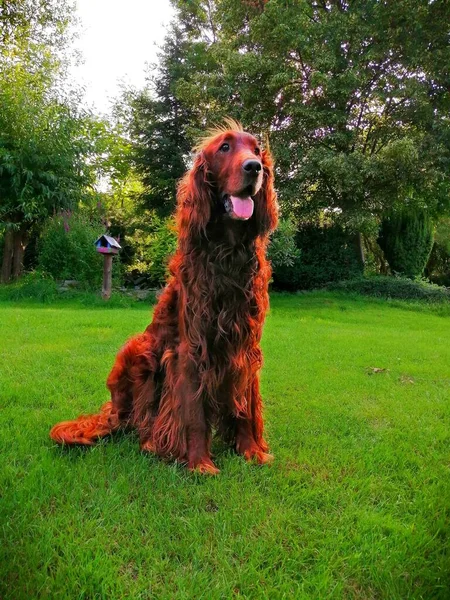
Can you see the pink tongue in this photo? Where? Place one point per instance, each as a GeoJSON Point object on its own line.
{"type": "Point", "coordinates": [242, 207]}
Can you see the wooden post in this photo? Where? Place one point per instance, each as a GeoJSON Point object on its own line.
{"type": "Point", "coordinates": [108, 246]}
{"type": "Point", "coordinates": [107, 276]}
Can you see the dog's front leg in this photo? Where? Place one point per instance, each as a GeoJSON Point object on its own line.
{"type": "Point", "coordinates": [195, 424]}
{"type": "Point", "coordinates": [250, 427]}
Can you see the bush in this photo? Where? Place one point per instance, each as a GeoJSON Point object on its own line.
{"type": "Point", "coordinates": [152, 250]}
{"type": "Point", "coordinates": [282, 250]}
{"type": "Point", "coordinates": [66, 250]}
{"type": "Point", "coordinates": [1, 245]}
{"type": "Point", "coordinates": [327, 254]}
{"type": "Point", "coordinates": [33, 286]}
{"type": "Point", "coordinates": [438, 266]}
{"type": "Point", "coordinates": [406, 238]}
{"type": "Point", "coordinates": [401, 288]}
{"type": "Point", "coordinates": [39, 287]}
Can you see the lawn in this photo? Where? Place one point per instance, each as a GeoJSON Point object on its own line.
{"type": "Point", "coordinates": [355, 506]}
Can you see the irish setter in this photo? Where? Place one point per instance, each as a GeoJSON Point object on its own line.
{"type": "Point", "coordinates": [196, 366]}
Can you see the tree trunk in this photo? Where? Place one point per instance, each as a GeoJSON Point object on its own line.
{"type": "Point", "coordinates": [378, 254]}
{"type": "Point", "coordinates": [19, 245]}
{"type": "Point", "coordinates": [360, 248]}
{"type": "Point", "coordinates": [8, 250]}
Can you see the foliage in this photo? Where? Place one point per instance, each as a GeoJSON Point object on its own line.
{"type": "Point", "coordinates": [152, 247]}
{"type": "Point", "coordinates": [327, 254]}
{"type": "Point", "coordinates": [284, 255]}
{"type": "Point", "coordinates": [442, 234]}
{"type": "Point", "coordinates": [66, 250]}
{"type": "Point", "coordinates": [37, 32]}
{"type": "Point", "coordinates": [355, 106]}
{"type": "Point", "coordinates": [406, 238]}
{"type": "Point", "coordinates": [37, 287]}
{"type": "Point", "coordinates": [42, 150]}
{"type": "Point", "coordinates": [282, 250]}
{"type": "Point", "coordinates": [401, 288]}
{"type": "Point", "coordinates": [47, 143]}
{"type": "Point", "coordinates": [157, 123]}
{"type": "Point", "coordinates": [33, 286]}
{"type": "Point", "coordinates": [41, 136]}
{"type": "Point", "coordinates": [438, 266]}
{"type": "Point", "coordinates": [356, 110]}
{"type": "Point", "coordinates": [110, 158]}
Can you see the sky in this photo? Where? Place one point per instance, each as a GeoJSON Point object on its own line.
{"type": "Point", "coordinates": [116, 39]}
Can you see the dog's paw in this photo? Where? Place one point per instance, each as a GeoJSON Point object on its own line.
{"type": "Point", "coordinates": [204, 467]}
{"type": "Point", "coordinates": [148, 446]}
{"type": "Point", "coordinates": [258, 456]}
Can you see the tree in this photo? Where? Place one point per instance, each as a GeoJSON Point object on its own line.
{"type": "Point", "coordinates": [353, 95]}
{"type": "Point", "coordinates": [38, 35]}
{"type": "Point", "coordinates": [46, 142]}
{"type": "Point", "coordinates": [34, 23]}
{"type": "Point", "coordinates": [42, 160]}
{"type": "Point", "coordinates": [406, 238]}
{"type": "Point", "coordinates": [438, 266]}
{"type": "Point", "coordinates": [158, 128]}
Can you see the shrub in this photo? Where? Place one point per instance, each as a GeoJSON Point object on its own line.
{"type": "Point", "coordinates": [152, 250]}
{"type": "Point", "coordinates": [282, 251]}
{"type": "Point", "coordinates": [40, 287]}
{"type": "Point", "coordinates": [406, 238]}
{"type": "Point", "coordinates": [32, 286]}
{"type": "Point", "coordinates": [438, 266]}
{"type": "Point", "coordinates": [327, 254]}
{"type": "Point", "coordinates": [401, 288]}
{"type": "Point", "coordinates": [66, 250]}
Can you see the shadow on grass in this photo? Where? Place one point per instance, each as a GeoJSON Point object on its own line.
{"type": "Point", "coordinates": [126, 443]}
{"type": "Point", "coordinates": [77, 451]}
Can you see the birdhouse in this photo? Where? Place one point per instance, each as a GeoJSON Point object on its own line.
{"type": "Point", "coordinates": [107, 245]}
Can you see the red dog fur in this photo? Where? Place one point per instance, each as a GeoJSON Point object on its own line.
{"type": "Point", "coordinates": [196, 366]}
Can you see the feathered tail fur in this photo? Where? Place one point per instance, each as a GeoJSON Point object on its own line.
{"type": "Point", "coordinates": [87, 428]}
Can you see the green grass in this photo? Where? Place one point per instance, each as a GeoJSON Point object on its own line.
{"type": "Point", "coordinates": [356, 504]}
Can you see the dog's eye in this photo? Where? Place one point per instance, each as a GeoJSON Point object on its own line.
{"type": "Point", "coordinates": [224, 147]}
{"type": "Point", "coordinates": [257, 151]}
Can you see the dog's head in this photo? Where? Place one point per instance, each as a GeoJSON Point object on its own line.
{"type": "Point", "coordinates": [231, 181]}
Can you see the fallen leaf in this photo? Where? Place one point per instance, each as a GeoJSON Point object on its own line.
{"type": "Point", "coordinates": [373, 370]}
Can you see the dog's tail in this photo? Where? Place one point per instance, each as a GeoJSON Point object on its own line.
{"type": "Point", "coordinates": [87, 428]}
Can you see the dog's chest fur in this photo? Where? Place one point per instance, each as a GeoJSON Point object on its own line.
{"type": "Point", "coordinates": [233, 307]}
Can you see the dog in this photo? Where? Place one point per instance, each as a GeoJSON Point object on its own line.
{"type": "Point", "coordinates": [196, 367]}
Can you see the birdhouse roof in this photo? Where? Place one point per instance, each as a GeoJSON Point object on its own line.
{"type": "Point", "coordinates": [110, 240]}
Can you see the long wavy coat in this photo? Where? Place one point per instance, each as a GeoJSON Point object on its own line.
{"type": "Point", "coordinates": [196, 366]}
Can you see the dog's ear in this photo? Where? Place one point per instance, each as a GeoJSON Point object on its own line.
{"type": "Point", "coordinates": [194, 198]}
{"type": "Point", "coordinates": [266, 206]}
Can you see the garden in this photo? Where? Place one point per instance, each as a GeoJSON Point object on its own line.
{"type": "Point", "coordinates": [352, 100]}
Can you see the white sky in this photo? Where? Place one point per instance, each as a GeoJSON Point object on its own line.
{"type": "Point", "coordinates": [117, 38]}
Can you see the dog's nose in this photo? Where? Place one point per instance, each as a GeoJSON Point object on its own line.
{"type": "Point", "coordinates": [252, 167]}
